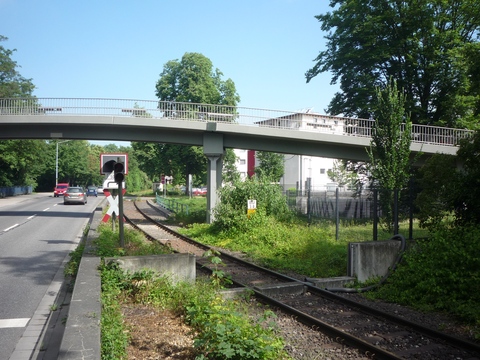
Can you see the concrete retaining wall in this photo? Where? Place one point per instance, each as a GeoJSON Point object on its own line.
{"type": "Point", "coordinates": [372, 259]}
{"type": "Point", "coordinates": [179, 267]}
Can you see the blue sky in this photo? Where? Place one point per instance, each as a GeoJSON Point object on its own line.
{"type": "Point", "coordinates": [117, 49]}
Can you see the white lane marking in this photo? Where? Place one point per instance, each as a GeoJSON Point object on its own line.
{"type": "Point", "coordinates": [11, 227]}
{"type": "Point", "coordinates": [46, 209]}
{"type": "Point", "coordinates": [13, 323]}
{"type": "Point", "coordinates": [31, 217]}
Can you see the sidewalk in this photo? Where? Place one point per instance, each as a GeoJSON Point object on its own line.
{"type": "Point", "coordinates": [11, 200]}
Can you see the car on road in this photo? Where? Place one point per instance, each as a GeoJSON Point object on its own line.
{"type": "Point", "coordinates": [60, 189]}
{"type": "Point", "coordinates": [75, 195]}
{"type": "Point", "coordinates": [92, 191]}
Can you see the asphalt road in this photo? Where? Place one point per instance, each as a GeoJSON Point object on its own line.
{"type": "Point", "coordinates": [37, 232]}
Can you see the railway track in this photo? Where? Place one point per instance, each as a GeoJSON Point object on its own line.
{"type": "Point", "coordinates": [374, 333]}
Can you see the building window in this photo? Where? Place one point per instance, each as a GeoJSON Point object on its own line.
{"type": "Point", "coordinates": [322, 171]}
{"type": "Point", "coordinates": [242, 161]}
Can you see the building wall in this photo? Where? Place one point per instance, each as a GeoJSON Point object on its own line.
{"type": "Point", "coordinates": [297, 169]}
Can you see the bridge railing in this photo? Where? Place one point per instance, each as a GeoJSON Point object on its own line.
{"type": "Point", "coordinates": [302, 121]}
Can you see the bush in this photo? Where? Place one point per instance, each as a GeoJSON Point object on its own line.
{"type": "Point", "coordinates": [440, 274]}
{"type": "Point", "coordinates": [231, 212]}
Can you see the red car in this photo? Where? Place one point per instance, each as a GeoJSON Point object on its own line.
{"type": "Point", "coordinates": [60, 189]}
{"type": "Point", "coordinates": [199, 191]}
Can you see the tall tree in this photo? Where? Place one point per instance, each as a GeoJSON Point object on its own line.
{"type": "Point", "coordinates": [21, 161]}
{"type": "Point", "coordinates": [192, 79]}
{"type": "Point", "coordinates": [426, 45]}
{"type": "Point", "coordinates": [389, 153]}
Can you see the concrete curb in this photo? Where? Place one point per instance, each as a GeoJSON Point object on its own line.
{"type": "Point", "coordinates": [81, 337]}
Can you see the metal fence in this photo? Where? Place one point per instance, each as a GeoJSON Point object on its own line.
{"type": "Point", "coordinates": [15, 190]}
{"type": "Point", "coordinates": [328, 205]}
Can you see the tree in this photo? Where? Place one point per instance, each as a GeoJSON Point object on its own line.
{"type": "Point", "coordinates": [193, 80]}
{"type": "Point", "coordinates": [341, 175]}
{"type": "Point", "coordinates": [230, 172]}
{"type": "Point", "coordinates": [271, 167]}
{"type": "Point", "coordinates": [389, 151]}
{"type": "Point", "coordinates": [22, 161]}
{"type": "Point", "coordinates": [429, 46]}
{"type": "Point", "coordinates": [12, 84]}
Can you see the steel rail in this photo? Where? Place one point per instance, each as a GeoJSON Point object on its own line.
{"type": "Point", "coordinates": [371, 349]}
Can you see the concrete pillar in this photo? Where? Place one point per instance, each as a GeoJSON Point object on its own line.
{"type": "Point", "coordinates": [213, 149]}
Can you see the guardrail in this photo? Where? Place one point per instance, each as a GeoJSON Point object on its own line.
{"type": "Point", "coordinates": [171, 205]}
{"type": "Point", "coordinates": [154, 109]}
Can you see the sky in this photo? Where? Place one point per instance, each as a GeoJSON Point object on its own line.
{"type": "Point", "coordinates": [117, 49]}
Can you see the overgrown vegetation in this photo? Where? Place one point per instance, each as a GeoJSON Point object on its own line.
{"type": "Point", "coordinates": [223, 328]}
{"type": "Point", "coordinates": [440, 274]}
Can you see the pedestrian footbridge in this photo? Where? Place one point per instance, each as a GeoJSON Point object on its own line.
{"type": "Point", "coordinates": [304, 133]}
{"type": "Point", "coordinates": [215, 127]}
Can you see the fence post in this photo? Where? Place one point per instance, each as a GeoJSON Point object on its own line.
{"type": "Point", "coordinates": [375, 214]}
{"type": "Point", "coordinates": [337, 214]}
{"type": "Point", "coordinates": [410, 209]}
{"type": "Point", "coordinates": [395, 212]}
{"type": "Point", "coordinates": [309, 210]}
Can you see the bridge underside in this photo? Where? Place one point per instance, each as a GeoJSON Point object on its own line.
{"type": "Point", "coordinates": [214, 137]}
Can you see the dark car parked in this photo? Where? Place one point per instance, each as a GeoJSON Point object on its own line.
{"type": "Point", "coordinates": [92, 191]}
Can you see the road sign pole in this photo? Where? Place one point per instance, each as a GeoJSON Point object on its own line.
{"type": "Point", "coordinates": [120, 214]}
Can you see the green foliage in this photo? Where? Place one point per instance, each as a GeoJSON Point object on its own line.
{"type": "Point", "coordinates": [342, 175]}
{"type": "Point", "coordinates": [230, 172]}
{"type": "Point", "coordinates": [114, 338]}
{"type": "Point", "coordinates": [451, 186]}
{"type": "Point", "coordinates": [467, 192]}
{"type": "Point", "coordinates": [286, 246]}
{"type": "Point", "coordinates": [438, 181]}
{"type": "Point", "coordinates": [430, 47]}
{"type": "Point", "coordinates": [223, 328]}
{"type": "Point", "coordinates": [107, 244]}
{"type": "Point", "coordinates": [271, 167]}
{"type": "Point", "coordinates": [12, 84]}
{"type": "Point", "coordinates": [71, 268]}
{"type": "Point", "coordinates": [390, 148]}
{"type": "Point", "coordinates": [22, 162]}
{"type": "Point", "coordinates": [231, 212]}
{"type": "Point", "coordinates": [191, 79]}
{"type": "Point", "coordinates": [440, 274]}
{"type": "Point", "coordinates": [219, 277]}
{"type": "Point", "coordinates": [227, 333]}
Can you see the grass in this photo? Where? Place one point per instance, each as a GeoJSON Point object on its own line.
{"type": "Point", "coordinates": [310, 250]}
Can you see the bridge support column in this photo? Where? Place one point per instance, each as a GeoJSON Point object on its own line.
{"type": "Point", "coordinates": [214, 151]}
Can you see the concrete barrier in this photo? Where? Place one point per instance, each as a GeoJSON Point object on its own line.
{"type": "Point", "coordinates": [178, 267]}
{"type": "Point", "coordinates": [372, 258]}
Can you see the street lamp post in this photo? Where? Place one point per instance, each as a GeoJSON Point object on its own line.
{"type": "Point", "coordinates": [56, 161]}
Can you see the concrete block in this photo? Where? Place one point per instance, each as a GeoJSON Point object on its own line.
{"type": "Point", "coordinates": [335, 282]}
{"type": "Point", "coordinates": [284, 289]}
{"type": "Point", "coordinates": [180, 267]}
{"type": "Point", "coordinates": [372, 258]}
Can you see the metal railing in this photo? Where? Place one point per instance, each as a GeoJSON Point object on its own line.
{"type": "Point", "coordinates": [171, 204]}
{"type": "Point", "coordinates": [153, 109]}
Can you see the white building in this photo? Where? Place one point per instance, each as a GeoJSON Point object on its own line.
{"type": "Point", "coordinates": [298, 168]}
